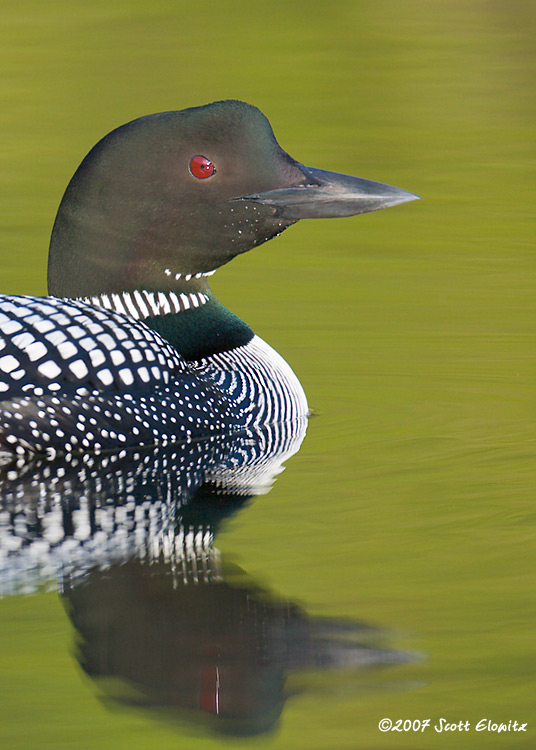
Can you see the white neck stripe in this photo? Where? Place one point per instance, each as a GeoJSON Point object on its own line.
{"type": "Point", "coordinates": [141, 304]}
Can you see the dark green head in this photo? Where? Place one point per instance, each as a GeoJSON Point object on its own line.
{"type": "Point", "coordinates": [143, 212]}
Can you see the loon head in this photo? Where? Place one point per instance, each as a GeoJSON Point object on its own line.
{"type": "Point", "coordinates": [170, 197]}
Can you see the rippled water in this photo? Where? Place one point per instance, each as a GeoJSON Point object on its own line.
{"type": "Point", "coordinates": [406, 519]}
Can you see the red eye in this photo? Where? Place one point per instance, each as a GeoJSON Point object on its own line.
{"type": "Point", "coordinates": [201, 167]}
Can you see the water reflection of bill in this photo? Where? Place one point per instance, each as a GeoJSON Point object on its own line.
{"type": "Point", "coordinates": [162, 622]}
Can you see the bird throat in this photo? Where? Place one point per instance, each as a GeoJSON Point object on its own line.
{"type": "Point", "coordinates": [194, 322]}
{"type": "Point", "coordinates": [201, 332]}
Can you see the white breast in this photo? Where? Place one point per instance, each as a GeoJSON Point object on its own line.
{"type": "Point", "coordinates": [258, 380]}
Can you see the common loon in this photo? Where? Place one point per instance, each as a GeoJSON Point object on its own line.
{"type": "Point", "coordinates": [132, 347]}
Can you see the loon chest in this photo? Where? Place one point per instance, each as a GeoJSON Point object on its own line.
{"type": "Point", "coordinates": [76, 377]}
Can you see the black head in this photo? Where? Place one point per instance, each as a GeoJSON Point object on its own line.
{"type": "Point", "coordinates": [175, 194]}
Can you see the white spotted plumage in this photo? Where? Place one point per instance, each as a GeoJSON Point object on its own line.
{"type": "Point", "coordinates": [79, 513]}
{"type": "Point", "coordinates": [96, 379]}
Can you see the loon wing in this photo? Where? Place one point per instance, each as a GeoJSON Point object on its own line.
{"type": "Point", "coordinates": [50, 344]}
{"type": "Point", "coordinates": [73, 376]}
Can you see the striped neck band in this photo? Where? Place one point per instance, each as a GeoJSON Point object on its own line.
{"type": "Point", "coordinates": [141, 304]}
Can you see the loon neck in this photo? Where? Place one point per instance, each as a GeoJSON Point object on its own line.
{"type": "Point", "coordinates": [203, 331]}
{"type": "Point", "coordinates": [142, 304]}
{"type": "Point", "coordinates": [194, 321]}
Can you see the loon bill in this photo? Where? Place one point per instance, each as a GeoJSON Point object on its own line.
{"type": "Point", "coordinates": [132, 347]}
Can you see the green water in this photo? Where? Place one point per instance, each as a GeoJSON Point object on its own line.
{"type": "Point", "coordinates": [410, 505]}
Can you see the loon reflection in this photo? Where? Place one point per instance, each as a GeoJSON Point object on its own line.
{"type": "Point", "coordinates": [131, 539]}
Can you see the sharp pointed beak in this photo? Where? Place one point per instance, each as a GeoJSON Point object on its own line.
{"type": "Point", "coordinates": [324, 195]}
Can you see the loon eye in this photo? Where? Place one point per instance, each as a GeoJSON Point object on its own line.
{"type": "Point", "coordinates": [201, 167]}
